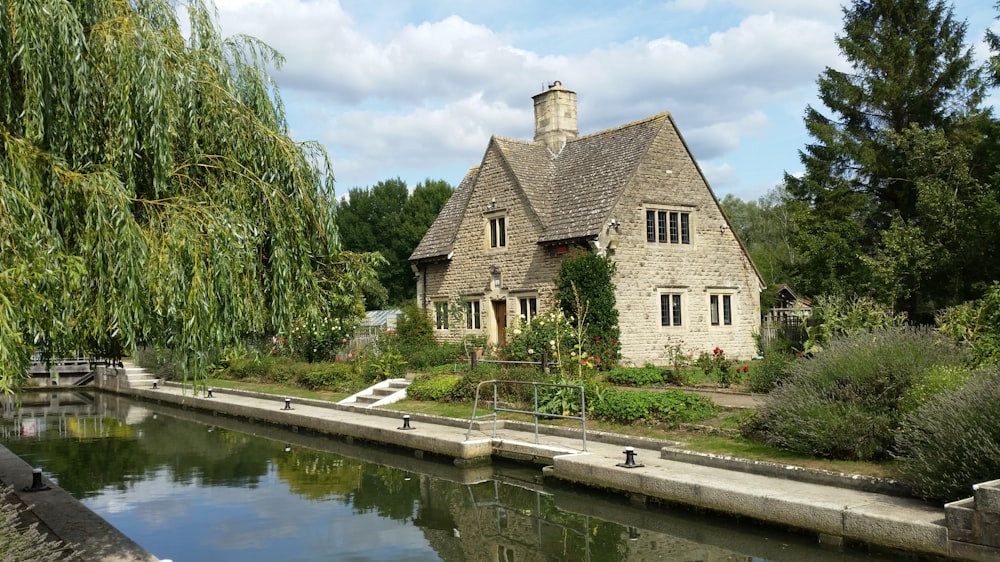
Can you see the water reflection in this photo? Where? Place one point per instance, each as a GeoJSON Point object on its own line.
{"type": "Point", "coordinates": [193, 486]}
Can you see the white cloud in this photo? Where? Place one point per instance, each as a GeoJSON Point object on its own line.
{"type": "Point", "coordinates": [411, 89]}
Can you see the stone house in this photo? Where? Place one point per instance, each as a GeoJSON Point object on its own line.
{"type": "Point", "coordinates": [633, 193]}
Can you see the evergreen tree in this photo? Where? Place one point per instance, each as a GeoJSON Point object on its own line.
{"type": "Point", "coordinates": [910, 68]}
{"type": "Point", "coordinates": [149, 191]}
{"type": "Point", "coordinates": [389, 220]}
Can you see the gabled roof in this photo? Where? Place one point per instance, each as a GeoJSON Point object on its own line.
{"type": "Point", "coordinates": [571, 192]}
{"type": "Point", "coordinates": [439, 240]}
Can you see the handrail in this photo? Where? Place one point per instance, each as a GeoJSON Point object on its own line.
{"type": "Point", "coordinates": [533, 412]}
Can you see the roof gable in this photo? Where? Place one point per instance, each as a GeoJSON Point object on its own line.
{"type": "Point", "coordinates": [439, 239]}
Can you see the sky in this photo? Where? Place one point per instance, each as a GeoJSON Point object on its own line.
{"type": "Point", "coordinates": [415, 89]}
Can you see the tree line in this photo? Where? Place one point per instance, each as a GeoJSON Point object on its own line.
{"type": "Point", "coordinates": [900, 194]}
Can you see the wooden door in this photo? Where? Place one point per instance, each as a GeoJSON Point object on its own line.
{"type": "Point", "coordinates": [500, 314]}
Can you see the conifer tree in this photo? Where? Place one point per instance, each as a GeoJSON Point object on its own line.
{"type": "Point", "coordinates": [909, 69]}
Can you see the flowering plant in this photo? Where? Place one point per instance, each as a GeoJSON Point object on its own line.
{"type": "Point", "coordinates": [717, 365]}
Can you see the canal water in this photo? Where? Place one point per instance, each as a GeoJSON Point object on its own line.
{"type": "Point", "coordinates": [190, 486]}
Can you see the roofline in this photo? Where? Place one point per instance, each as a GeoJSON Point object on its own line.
{"type": "Point", "coordinates": [753, 266]}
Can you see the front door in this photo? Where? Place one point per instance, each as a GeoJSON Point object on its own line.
{"type": "Point", "coordinates": [500, 314]}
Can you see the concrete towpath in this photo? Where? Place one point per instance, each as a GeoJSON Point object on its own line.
{"type": "Point", "coordinates": [834, 507]}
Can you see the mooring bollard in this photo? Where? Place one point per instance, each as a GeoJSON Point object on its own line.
{"type": "Point", "coordinates": [406, 422]}
{"type": "Point", "coordinates": [288, 404]}
{"type": "Point", "coordinates": [209, 393]}
{"type": "Point", "coordinates": [629, 459]}
{"type": "Point", "coordinates": [36, 482]}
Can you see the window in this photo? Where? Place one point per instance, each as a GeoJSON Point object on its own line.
{"type": "Point", "coordinates": [529, 309]}
{"type": "Point", "coordinates": [472, 318]}
{"type": "Point", "coordinates": [672, 227]}
{"type": "Point", "coordinates": [498, 232]}
{"type": "Point", "coordinates": [726, 318]}
{"type": "Point", "coordinates": [670, 309]}
{"type": "Point", "coordinates": [441, 315]}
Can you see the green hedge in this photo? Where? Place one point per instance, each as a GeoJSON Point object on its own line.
{"type": "Point", "coordinates": [670, 407]}
{"type": "Point", "coordinates": [436, 387]}
{"type": "Point", "coordinates": [336, 376]}
{"type": "Point", "coordinates": [639, 376]}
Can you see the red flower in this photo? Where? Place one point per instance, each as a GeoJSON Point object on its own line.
{"type": "Point", "coordinates": [596, 338]}
{"type": "Point", "coordinates": [597, 359]}
{"type": "Point", "coordinates": [746, 368]}
{"type": "Point", "coordinates": [338, 358]}
{"type": "Point", "coordinates": [460, 358]}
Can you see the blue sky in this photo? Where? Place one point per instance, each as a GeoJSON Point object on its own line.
{"type": "Point", "coordinates": [415, 89]}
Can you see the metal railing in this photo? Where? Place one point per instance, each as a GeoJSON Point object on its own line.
{"type": "Point", "coordinates": [534, 412]}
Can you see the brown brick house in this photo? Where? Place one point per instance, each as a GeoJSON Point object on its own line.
{"type": "Point", "coordinates": [634, 193]}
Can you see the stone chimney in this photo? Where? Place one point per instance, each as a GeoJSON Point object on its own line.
{"type": "Point", "coordinates": [555, 117]}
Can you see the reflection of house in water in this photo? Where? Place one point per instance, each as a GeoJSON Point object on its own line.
{"type": "Point", "coordinates": [69, 414]}
{"type": "Point", "coordinates": [504, 522]}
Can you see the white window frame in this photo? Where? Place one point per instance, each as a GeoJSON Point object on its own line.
{"type": "Point", "coordinates": [671, 308]}
{"type": "Point", "coordinates": [668, 226]}
{"type": "Point", "coordinates": [496, 231]}
{"type": "Point", "coordinates": [720, 309]}
{"type": "Point", "coordinates": [473, 317]}
{"type": "Point", "coordinates": [527, 308]}
{"type": "Point", "coordinates": [440, 315]}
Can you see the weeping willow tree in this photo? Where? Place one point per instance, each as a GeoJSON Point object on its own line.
{"type": "Point", "coordinates": [149, 191]}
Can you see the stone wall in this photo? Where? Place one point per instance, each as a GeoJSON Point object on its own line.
{"type": "Point", "coordinates": [525, 268]}
{"type": "Point", "coordinates": [712, 263]}
{"type": "Point", "coordinates": [974, 523]}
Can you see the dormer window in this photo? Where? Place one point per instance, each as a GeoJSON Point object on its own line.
{"type": "Point", "coordinates": [497, 227]}
{"type": "Point", "coordinates": [668, 227]}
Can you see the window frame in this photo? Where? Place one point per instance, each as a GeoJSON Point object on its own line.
{"type": "Point", "coordinates": [671, 303]}
{"type": "Point", "coordinates": [720, 310]}
{"type": "Point", "coordinates": [668, 226]}
{"type": "Point", "coordinates": [440, 315]}
{"type": "Point", "coordinates": [496, 231]}
{"type": "Point", "coordinates": [527, 308]}
{"type": "Point", "coordinates": [473, 315]}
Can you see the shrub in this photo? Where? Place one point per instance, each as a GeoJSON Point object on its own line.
{"type": "Point", "coordinates": [549, 332]}
{"type": "Point", "coordinates": [770, 372]}
{"type": "Point", "coordinates": [839, 316]}
{"type": "Point", "coordinates": [847, 401]}
{"type": "Point", "coordinates": [670, 407]}
{"type": "Point", "coordinates": [953, 440]}
{"type": "Point", "coordinates": [318, 339]}
{"type": "Point", "coordinates": [434, 354]}
{"type": "Point", "coordinates": [257, 369]}
{"type": "Point", "coordinates": [641, 376]}
{"type": "Point", "coordinates": [976, 324]}
{"type": "Point", "coordinates": [585, 291]}
{"type": "Point", "coordinates": [438, 388]}
{"type": "Point", "coordinates": [522, 393]}
{"type": "Point", "coordinates": [717, 366]}
{"type": "Point", "coordinates": [414, 328]}
{"type": "Point", "coordinates": [337, 376]}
